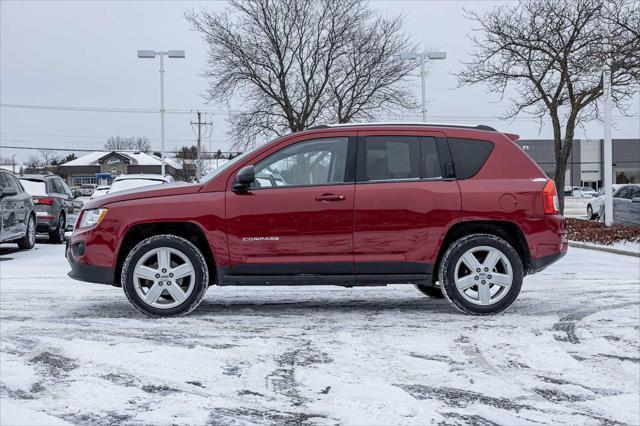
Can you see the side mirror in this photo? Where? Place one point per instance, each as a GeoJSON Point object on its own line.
{"type": "Point", "coordinates": [635, 200]}
{"type": "Point", "coordinates": [8, 192]}
{"type": "Point", "coordinates": [244, 178]}
{"type": "Point", "coordinates": [77, 194]}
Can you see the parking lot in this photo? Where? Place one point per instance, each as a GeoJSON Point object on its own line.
{"type": "Point", "coordinates": [567, 352]}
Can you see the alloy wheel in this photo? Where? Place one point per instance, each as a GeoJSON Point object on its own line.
{"type": "Point", "coordinates": [483, 275]}
{"type": "Point", "coordinates": [31, 231]}
{"type": "Point", "coordinates": [164, 277]}
{"type": "Point", "coordinates": [61, 227]}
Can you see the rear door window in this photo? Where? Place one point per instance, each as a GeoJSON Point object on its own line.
{"type": "Point", "coordinates": [469, 155]}
{"type": "Point", "coordinates": [13, 183]}
{"type": "Point", "coordinates": [388, 158]}
{"type": "Point", "coordinates": [431, 168]}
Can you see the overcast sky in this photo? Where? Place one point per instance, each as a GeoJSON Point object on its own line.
{"type": "Point", "coordinates": [83, 54]}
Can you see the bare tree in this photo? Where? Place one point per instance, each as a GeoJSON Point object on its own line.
{"type": "Point", "coordinates": [50, 158]}
{"type": "Point", "coordinates": [34, 164]}
{"type": "Point", "coordinates": [368, 78]}
{"type": "Point", "coordinates": [296, 64]}
{"type": "Point", "coordinates": [141, 143]}
{"type": "Point", "coordinates": [119, 143]}
{"type": "Point", "coordinates": [552, 53]}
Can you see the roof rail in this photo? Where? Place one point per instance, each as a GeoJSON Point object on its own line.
{"type": "Point", "coordinates": [477, 127]}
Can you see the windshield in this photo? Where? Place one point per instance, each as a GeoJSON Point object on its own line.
{"type": "Point", "coordinates": [121, 185]}
{"type": "Point", "coordinates": [34, 187]}
{"type": "Point", "coordinates": [225, 166]}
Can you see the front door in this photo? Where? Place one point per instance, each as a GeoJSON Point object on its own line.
{"type": "Point", "coordinates": [297, 218]}
{"type": "Point", "coordinates": [404, 202]}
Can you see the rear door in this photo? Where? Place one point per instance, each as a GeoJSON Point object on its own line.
{"type": "Point", "coordinates": [404, 201]}
{"type": "Point", "coordinates": [10, 210]}
{"type": "Point", "coordinates": [22, 205]}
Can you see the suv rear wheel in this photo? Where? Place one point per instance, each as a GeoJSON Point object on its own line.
{"type": "Point", "coordinates": [481, 274]}
{"type": "Point", "coordinates": [57, 235]}
{"type": "Point", "coordinates": [165, 276]}
{"type": "Point", "coordinates": [29, 240]}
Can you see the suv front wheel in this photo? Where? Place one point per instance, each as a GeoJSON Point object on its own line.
{"type": "Point", "coordinates": [165, 275]}
{"type": "Point", "coordinates": [481, 274]}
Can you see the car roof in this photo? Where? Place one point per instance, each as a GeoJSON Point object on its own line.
{"type": "Point", "coordinates": [142, 176]}
{"type": "Point", "coordinates": [37, 177]}
{"type": "Point", "coordinates": [402, 124]}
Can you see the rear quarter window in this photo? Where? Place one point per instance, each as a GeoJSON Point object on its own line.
{"type": "Point", "coordinates": [469, 155]}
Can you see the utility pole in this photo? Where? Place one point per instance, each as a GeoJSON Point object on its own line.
{"type": "Point", "coordinates": [199, 136]}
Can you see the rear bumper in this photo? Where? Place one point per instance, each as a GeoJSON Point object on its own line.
{"type": "Point", "coordinates": [88, 273]}
{"type": "Point", "coordinates": [540, 264]}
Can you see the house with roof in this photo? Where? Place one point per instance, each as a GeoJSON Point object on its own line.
{"type": "Point", "coordinates": [101, 167]}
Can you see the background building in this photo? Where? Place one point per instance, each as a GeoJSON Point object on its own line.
{"type": "Point", "coordinates": [103, 166]}
{"type": "Point", "coordinates": [585, 164]}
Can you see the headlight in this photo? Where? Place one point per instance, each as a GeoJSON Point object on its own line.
{"type": "Point", "coordinates": [91, 217]}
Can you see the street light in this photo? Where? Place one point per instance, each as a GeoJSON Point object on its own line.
{"type": "Point", "coordinates": [409, 56]}
{"type": "Point", "coordinates": [146, 54]}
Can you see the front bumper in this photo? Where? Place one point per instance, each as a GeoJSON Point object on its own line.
{"type": "Point", "coordinates": [88, 273]}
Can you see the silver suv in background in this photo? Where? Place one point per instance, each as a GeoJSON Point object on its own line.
{"type": "Point", "coordinates": [56, 206]}
{"type": "Point", "coordinates": [17, 214]}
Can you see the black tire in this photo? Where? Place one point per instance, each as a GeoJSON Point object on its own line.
{"type": "Point", "coordinates": [447, 270]}
{"type": "Point", "coordinates": [57, 235]}
{"type": "Point", "coordinates": [590, 214]}
{"type": "Point", "coordinates": [186, 248]}
{"type": "Point", "coordinates": [29, 240]}
{"type": "Point", "coordinates": [431, 291]}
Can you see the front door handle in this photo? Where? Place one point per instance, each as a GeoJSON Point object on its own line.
{"type": "Point", "coordinates": [331, 197]}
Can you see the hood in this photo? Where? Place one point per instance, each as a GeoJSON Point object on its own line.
{"type": "Point", "coordinates": [160, 190]}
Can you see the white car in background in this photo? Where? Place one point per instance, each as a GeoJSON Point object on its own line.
{"type": "Point", "coordinates": [584, 191]}
{"type": "Point", "coordinates": [100, 191]}
{"type": "Point", "coordinates": [593, 208]}
{"type": "Point", "coordinates": [124, 182]}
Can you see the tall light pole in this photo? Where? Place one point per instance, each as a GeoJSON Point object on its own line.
{"type": "Point", "coordinates": [152, 54]}
{"type": "Point", "coordinates": [409, 56]}
{"type": "Point", "coordinates": [608, 166]}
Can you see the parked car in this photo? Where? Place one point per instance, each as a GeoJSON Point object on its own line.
{"type": "Point", "coordinates": [17, 213]}
{"type": "Point", "coordinates": [100, 191]}
{"type": "Point", "coordinates": [568, 191]}
{"type": "Point", "coordinates": [461, 212]}
{"type": "Point", "coordinates": [57, 207]}
{"type": "Point", "coordinates": [584, 191]}
{"type": "Point", "coordinates": [593, 208]}
{"type": "Point", "coordinates": [626, 205]}
{"type": "Point", "coordinates": [87, 189]}
{"type": "Point", "coordinates": [125, 182]}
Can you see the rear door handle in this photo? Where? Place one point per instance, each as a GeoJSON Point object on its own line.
{"type": "Point", "coordinates": [331, 197]}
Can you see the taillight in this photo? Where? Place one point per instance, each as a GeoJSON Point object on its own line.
{"type": "Point", "coordinates": [550, 198]}
{"type": "Point", "coordinates": [45, 201]}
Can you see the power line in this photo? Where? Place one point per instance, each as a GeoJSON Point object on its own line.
{"type": "Point", "coordinates": [111, 109]}
{"type": "Point", "coordinates": [229, 111]}
{"type": "Point", "coordinates": [88, 150]}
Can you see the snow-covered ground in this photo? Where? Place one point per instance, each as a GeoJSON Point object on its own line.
{"type": "Point", "coordinates": [567, 352]}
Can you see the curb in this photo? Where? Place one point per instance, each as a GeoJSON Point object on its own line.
{"type": "Point", "coordinates": [605, 249]}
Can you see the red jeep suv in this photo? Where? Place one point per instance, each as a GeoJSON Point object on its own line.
{"type": "Point", "coordinates": [460, 212]}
